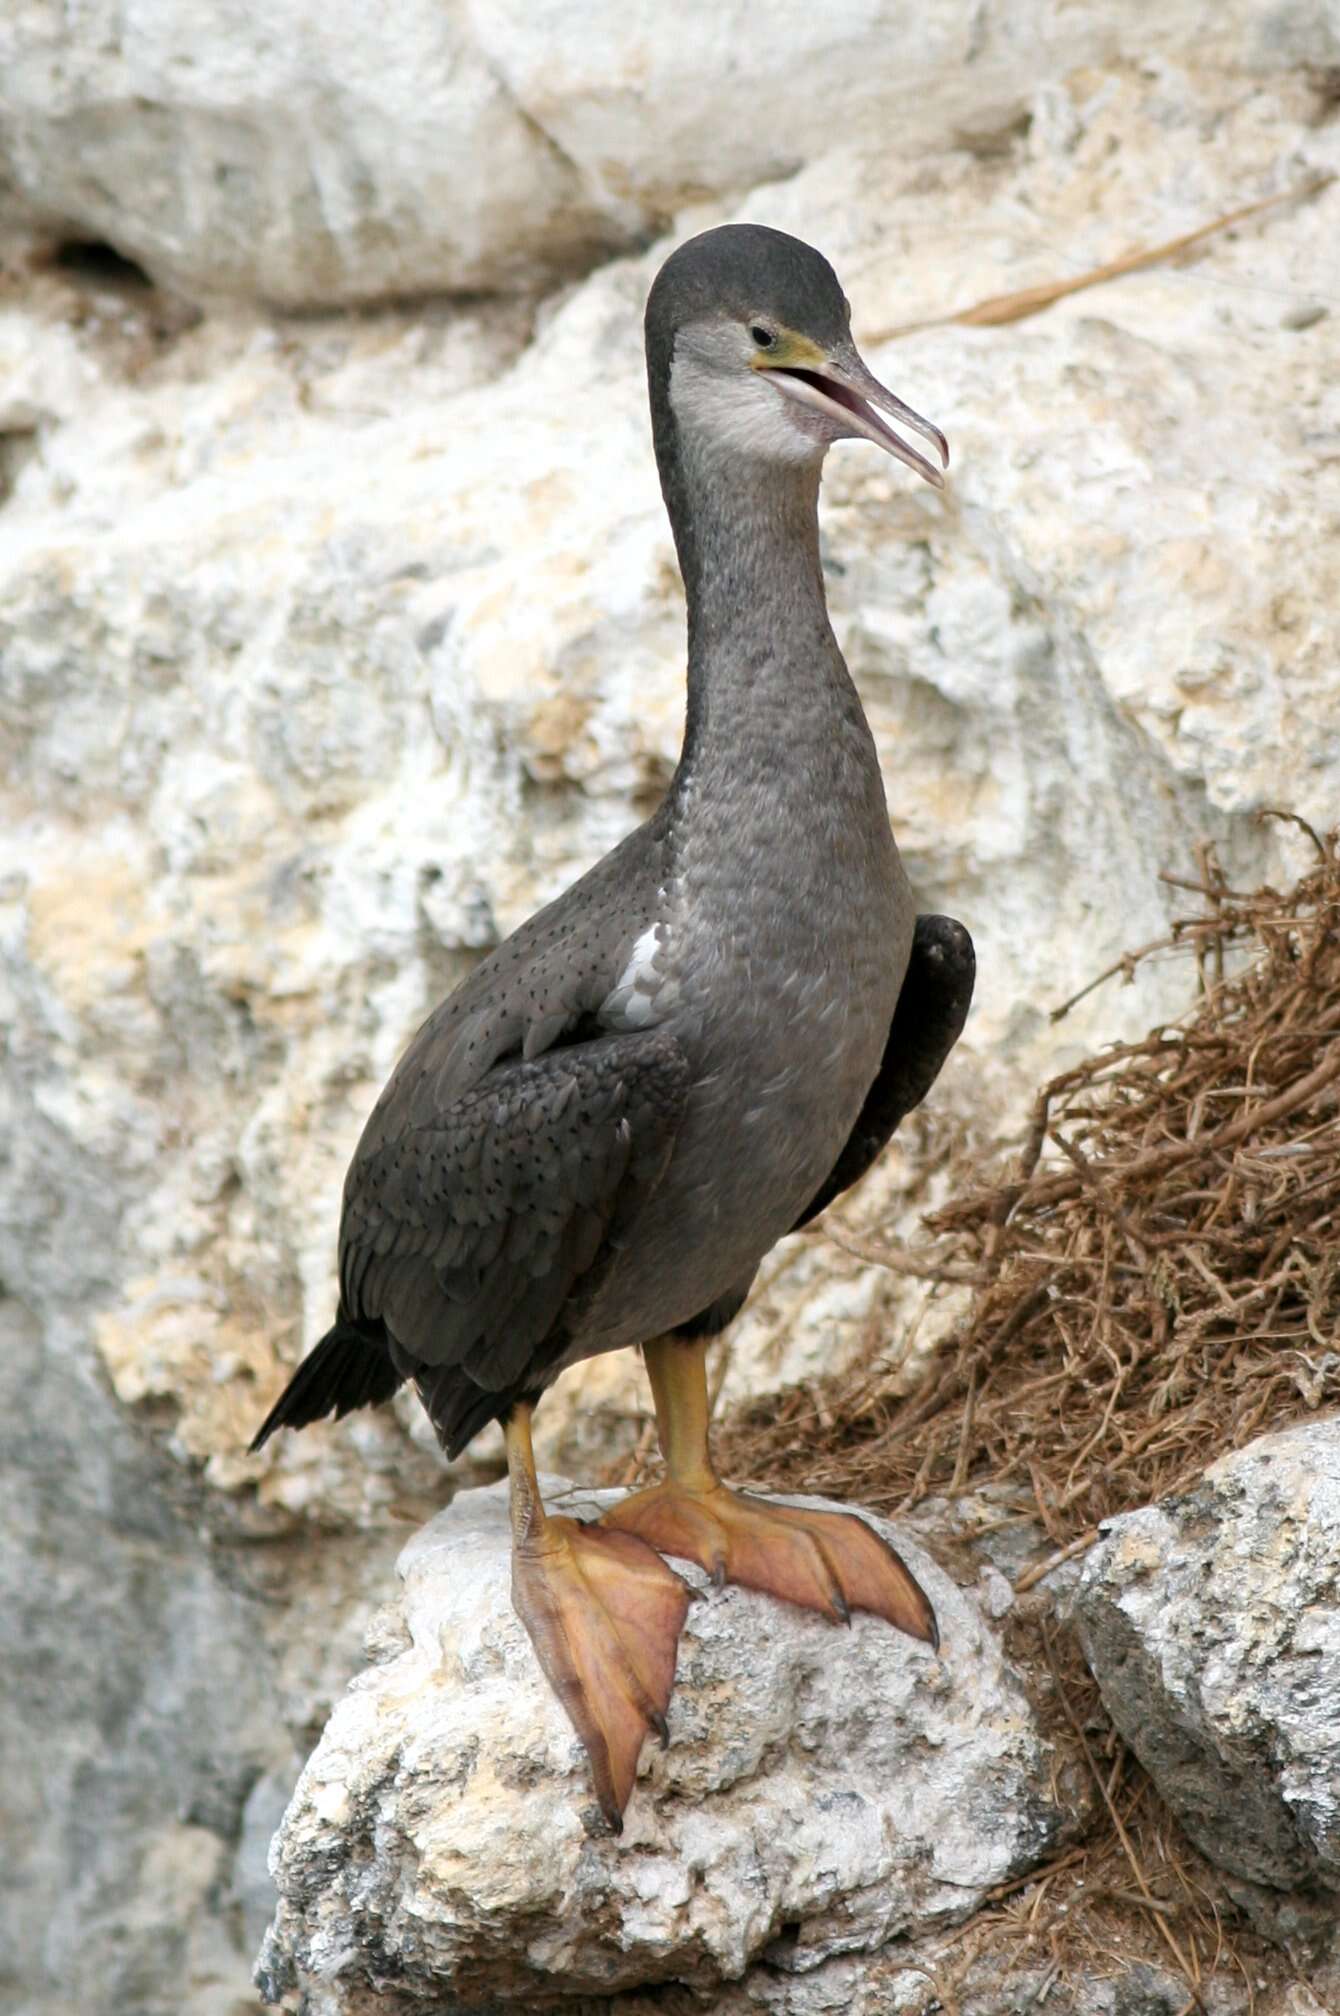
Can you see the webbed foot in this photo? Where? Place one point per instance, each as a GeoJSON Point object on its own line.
{"type": "Point", "coordinates": [604, 1614]}
{"type": "Point", "coordinates": [827, 1561]}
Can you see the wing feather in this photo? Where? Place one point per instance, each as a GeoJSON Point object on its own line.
{"type": "Point", "coordinates": [466, 1233]}
{"type": "Point", "coordinates": [928, 1019]}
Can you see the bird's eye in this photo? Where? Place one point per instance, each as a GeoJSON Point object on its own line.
{"type": "Point", "coordinates": [764, 338]}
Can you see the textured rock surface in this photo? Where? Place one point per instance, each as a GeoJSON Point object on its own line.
{"type": "Point", "coordinates": [827, 1789]}
{"type": "Point", "coordinates": [138, 1718]}
{"type": "Point", "coordinates": [909, 1978]}
{"type": "Point", "coordinates": [329, 651]}
{"type": "Point", "coordinates": [286, 151]}
{"type": "Point", "coordinates": [309, 156]}
{"type": "Point", "coordinates": [1212, 1625]}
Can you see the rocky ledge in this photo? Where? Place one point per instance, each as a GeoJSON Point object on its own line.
{"type": "Point", "coordinates": [824, 1791]}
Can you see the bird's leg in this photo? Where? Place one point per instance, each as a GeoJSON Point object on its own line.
{"type": "Point", "coordinates": [828, 1561]}
{"type": "Point", "coordinates": [604, 1614]}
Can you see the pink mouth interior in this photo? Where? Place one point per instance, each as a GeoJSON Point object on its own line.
{"type": "Point", "coordinates": [830, 389]}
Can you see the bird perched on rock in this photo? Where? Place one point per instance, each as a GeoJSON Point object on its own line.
{"type": "Point", "coordinates": [593, 1142]}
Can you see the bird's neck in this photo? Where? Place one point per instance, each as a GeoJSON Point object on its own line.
{"type": "Point", "coordinates": [746, 533]}
{"type": "Point", "coordinates": [776, 813]}
{"type": "Point", "coordinates": [761, 650]}
{"type": "Point", "coordinates": [747, 536]}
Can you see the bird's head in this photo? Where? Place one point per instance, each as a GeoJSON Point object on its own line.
{"type": "Point", "coordinates": [749, 344]}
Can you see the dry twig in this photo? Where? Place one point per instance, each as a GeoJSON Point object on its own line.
{"type": "Point", "coordinates": [1026, 301]}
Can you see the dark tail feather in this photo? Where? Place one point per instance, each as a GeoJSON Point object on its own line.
{"type": "Point", "coordinates": [347, 1369]}
{"type": "Point", "coordinates": [458, 1409]}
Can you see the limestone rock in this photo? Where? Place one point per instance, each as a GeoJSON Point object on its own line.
{"type": "Point", "coordinates": [140, 1710]}
{"type": "Point", "coordinates": [1211, 1625]}
{"type": "Point", "coordinates": [295, 153]}
{"type": "Point", "coordinates": [309, 155]}
{"type": "Point", "coordinates": [824, 1790]}
{"type": "Point", "coordinates": [330, 650]}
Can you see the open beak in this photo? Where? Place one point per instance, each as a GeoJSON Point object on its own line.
{"type": "Point", "coordinates": [846, 391]}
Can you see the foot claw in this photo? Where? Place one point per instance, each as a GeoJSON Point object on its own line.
{"type": "Point", "coordinates": [661, 1728]}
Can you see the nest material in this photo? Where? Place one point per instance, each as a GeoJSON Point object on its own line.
{"type": "Point", "coordinates": [1159, 1279]}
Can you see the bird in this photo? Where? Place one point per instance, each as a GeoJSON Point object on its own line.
{"type": "Point", "coordinates": [593, 1141]}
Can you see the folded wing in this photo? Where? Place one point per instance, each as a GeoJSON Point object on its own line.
{"type": "Point", "coordinates": [467, 1233]}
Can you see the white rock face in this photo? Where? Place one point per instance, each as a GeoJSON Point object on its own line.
{"type": "Point", "coordinates": [309, 155]}
{"type": "Point", "coordinates": [296, 153]}
{"type": "Point", "coordinates": [329, 651]}
{"type": "Point", "coordinates": [827, 1788]}
{"type": "Point", "coordinates": [1212, 1627]}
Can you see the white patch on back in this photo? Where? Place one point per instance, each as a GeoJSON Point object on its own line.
{"type": "Point", "coordinates": [632, 1002]}
{"type": "Point", "coordinates": [639, 972]}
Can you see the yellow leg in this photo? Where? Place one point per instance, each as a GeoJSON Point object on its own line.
{"type": "Point", "coordinates": [828, 1561]}
{"type": "Point", "coordinates": [604, 1614]}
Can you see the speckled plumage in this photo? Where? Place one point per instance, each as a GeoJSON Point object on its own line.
{"type": "Point", "coordinates": [597, 1137]}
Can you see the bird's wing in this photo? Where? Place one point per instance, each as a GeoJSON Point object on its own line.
{"type": "Point", "coordinates": [543, 986]}
{"type": "Point", "coordinates": [927, 1022]}
{"type": "Point", "coordinates": [466, 1229]}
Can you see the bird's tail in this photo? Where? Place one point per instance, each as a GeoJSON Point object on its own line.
{"type": "Point", "coordinates": [349, 1368]}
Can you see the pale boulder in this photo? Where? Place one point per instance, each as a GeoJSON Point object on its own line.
{"type": "Point", "coordinates": [824, 1788]}
{"type": "Point", "coordinates": [1211, 1625]}
{"type": "Point", "coordinates": [292, 153]}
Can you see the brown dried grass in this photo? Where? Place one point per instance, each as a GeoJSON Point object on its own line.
{"type": "Point", "coordinates": [1157, 1280]}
